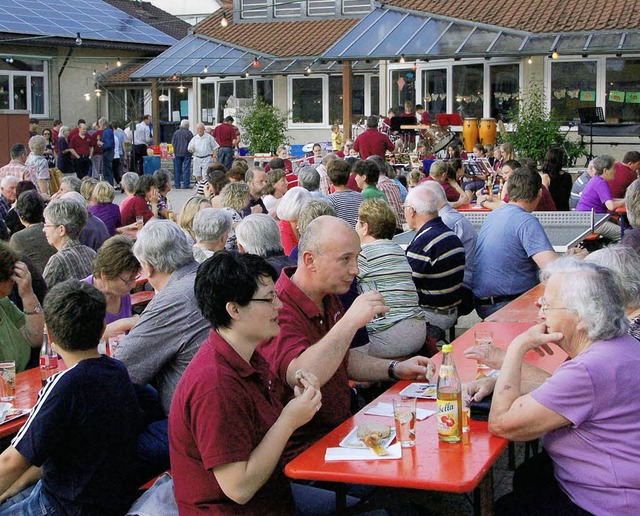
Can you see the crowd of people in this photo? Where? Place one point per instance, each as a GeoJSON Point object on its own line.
{"type": "Point", "coordinates": [275, 287]}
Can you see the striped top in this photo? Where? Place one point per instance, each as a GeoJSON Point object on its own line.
{"type": "Point", "coordinates": [346, 205]}
{"type": "Point", "coordinates": [384, 267]}
{"type": "Point", "coordinates": [436, 256]}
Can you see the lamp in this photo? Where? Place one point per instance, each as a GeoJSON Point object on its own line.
{"type": "Point", "coordinates": [163, 98]}
{"type": "Point", "coordinates": [246, 74]}
{"type": "Point", "coordinates": [529, 61]}
{"type": "Point", "coordinates": [256, 63]}
{"type": "Point", "coordinates": [555, 55]}
{"type": "Point", "coordinates": [402, 58]}
{"type": "Point", "coordinates": [118, 63]}
{"type": "Point", "coordinates": [98, 92]}
{"type": "Point", "coordinates": [224, 22]}
{"type": "Point", "coordinates": [78, 39]}
{"type": "Point", "coordinates": [205, 69]}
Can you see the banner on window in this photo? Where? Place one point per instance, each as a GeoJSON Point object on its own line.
{"type": "Point", "coordinates": [633, 97]}
{"type": "Point", "coordinates": [587, 96]}
{"type": "Point", "coordinates": [616, 96]}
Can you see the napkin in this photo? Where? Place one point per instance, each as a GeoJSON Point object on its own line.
{"type": "Point", "coordinates": [4, 408]}
{"type": "Point", "coordinates": [333, 454]}
{"type": "Point", "coordinates": [386, 409]}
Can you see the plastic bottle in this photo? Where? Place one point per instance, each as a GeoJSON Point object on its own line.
{"type": "Point", "coordinates": [449, 399]}
{"type": "Point", "coordinates": [48, 360]}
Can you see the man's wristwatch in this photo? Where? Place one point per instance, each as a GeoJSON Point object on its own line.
{"type": "Point", "coordinates": [482, 203]}
{"type": "Point", "coordinates": [391, 371]}
{"type": "Point", "coordinates": [36, 310]}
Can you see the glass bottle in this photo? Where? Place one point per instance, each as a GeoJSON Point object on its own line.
{"type": "Point", "coordinates": [48, 360]}
{"type": "Point", "coordinates": [449, 399]}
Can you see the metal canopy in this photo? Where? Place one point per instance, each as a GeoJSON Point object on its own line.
{"type": "Point", "coordinates": [418, 35]}
{"type": "Point", "coordinates": [199, 56]}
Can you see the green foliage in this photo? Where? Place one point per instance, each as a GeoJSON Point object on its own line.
{"type": "Point", "coordinates": [536, 130]}
{"type": "Point", "coordinates": [264, 127]}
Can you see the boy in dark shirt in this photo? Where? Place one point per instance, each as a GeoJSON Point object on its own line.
{"type": "Point", "coordinates": [80, 439]}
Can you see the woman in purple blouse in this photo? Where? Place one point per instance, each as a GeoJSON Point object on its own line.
{"type": "Point", "coordinates": [102, 206]}
{"type": "Point", "coordinates": [115, 270]}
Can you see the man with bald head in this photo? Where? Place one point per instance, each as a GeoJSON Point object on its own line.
{"type": "Point", "coordinates": [315, 330]}
{"type": "Point", "coordinates": [437, 258]}
{"type": "Point", "coordinates": [202, 146]}
{"type": "Point", "coordinates": [7, 194]}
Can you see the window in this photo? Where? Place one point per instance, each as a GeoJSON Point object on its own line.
{"type": "Point", "coordinates": [244, 89]}
{"type": "Point", "coordinates": [356, 6]}
{"type": "Point", "coordinates": [271, 10]}
{"type": "Point", "coordinates": [254, 9]}
{"type": "Point", "coordinates": [403, 88]}
{"type": "Point", "coordinates": [264, 90]}
{"type": "Point", "coordinates": [307, 105]}
{"type": "Point", "coordinates": [374, 95]}
{"type": "Point", "coordinates": [225, 91]}
{"type": "Point", "coordinates": [573, 86]}
{"type": "Point", "coordinates": [468, 90]}
{"type": "Point", "coordinates": [434, 91]}
{"type": "Point", "coordinates": [117, 105]}
{"type": "Point", "coordinates": [287, 9]}
{"type": "Point", "coordinates": [135, 105]}
{"type": "Point", "coordinates": [335, 99]}
{"type": "Point", "coordinates": [504, 90]}
{"type": "Point", "coordinates": [321, 7]}
{"type": "Point", "coordinates": [179, 103]}
{"type": "Point", "coordinates": [24, 85]}
{"type": "Point", "coordinates": [622, 101]}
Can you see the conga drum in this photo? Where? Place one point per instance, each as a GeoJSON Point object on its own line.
{"type": "Point", "coordinates": [470, 133]}
{"type": "Point", "coordinates": [487, 131]}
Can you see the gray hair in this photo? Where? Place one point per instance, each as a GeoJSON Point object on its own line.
{"type": "Point", "coordinates": [328, 158]}
{"type": "Point", "coordinates": [312, 210]}
{"type": "Point", "coordinates": [438, 169]}
{"type": "Point", "coordinates": [73, 183]}
{"type": "Point", "coordinates": [602, 162]}
{"type": "Point", "coordinates": [292, 202]}
{"type": "Point", "coordinates": [37, 144]}
{"type": "Point", "coordinates": [63, 129]}
{"type": "Point", "coordinates": [632, 202]}
{"type": "Point", "coordinates": [8, 179]}
{"type": "Point", "coordinates": [625, 261]}
{"type": "Point", "coordinates": [68, 213]}
{"type": "Point", "coordinates": [128, 181]}
{"type": "Point", "coordinates": [103, 121]}
{"type": "Point", "coordinates": [163, 245]}
{"type": "Point", "coordinates": [309, 178]}
{"type": "Point", "coordinates": [259, 234]}
{"type": "Point", "coordinates": [211, 223]}
{"type": "Point", "coordinates": [184, 123]}
{"type": "Point", "coordinates": [594, 293]}
{"type": "Point", "coordinates": [423, 200]}
{"type": "Point", "coordinates": [438, 191]}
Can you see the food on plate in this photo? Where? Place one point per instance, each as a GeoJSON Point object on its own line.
{"type": "Point", "coordinates": [372, 434]}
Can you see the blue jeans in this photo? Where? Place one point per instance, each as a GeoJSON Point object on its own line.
{"type": "Point", "coordinates": [153, 441]}
{"type": "Point", "coordinates": [29, 502]}
{"type": "Point", "coordinates": [107, 166]}
{"type": "Point", "coordinates": [225, 156]}
{"type": "Point", "coordinates": [182, 170]}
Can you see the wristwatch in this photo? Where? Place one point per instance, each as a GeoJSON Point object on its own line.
{"type": "Point", "coordinates": [36, 310]}
{"type": "Point", "coordinates": [391, 371]}
{"type": "Point", "coordinates": [482, 203]}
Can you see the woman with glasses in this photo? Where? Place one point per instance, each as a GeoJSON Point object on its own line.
{"type": "Point", "coordinates": [115, 270]}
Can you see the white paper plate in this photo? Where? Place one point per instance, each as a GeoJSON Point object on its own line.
{"type": "Point", "coordinates": [352, 441]}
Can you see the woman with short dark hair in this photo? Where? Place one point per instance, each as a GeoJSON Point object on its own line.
{"type": "Point", "coordinates": [145, 194]}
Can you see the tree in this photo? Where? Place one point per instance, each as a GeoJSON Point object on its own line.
{"type": "Point", "coordinates": [264, 127]}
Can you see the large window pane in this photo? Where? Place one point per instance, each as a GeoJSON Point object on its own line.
{"type": "Point", "coordinates": [37, 96]}
{"type": "Point", "coordinates": [468, 91]}
{"type": "Point", "coordinates": [335, 98]}
{"type": "Point", "coordinates": [264, 90]}
{"type": "Point", "coordinates": [623, 90]}
{"type": "Point", "coordinates": [504, 90]}
{"type": "Point", "coordinates": [4, 92]}
{"type": "Point", "coordinates": [573, 86]}
{"type": "Point", "coordinates": [19, 92]}
{"type": "Point", "coordinates": [307, 100]}
{"type": "Point", "coordinates": [434, 91]}
{"type": "Point", "coordinates": [244, 89]}
{"type": "Point", "coordinates": [135, 105]}
{"type": "Point", "coordinates": [207, 101]}
{"type": "Point", "coordinates": [225, 91]}
{"type": "Point", "coordinates": [402, 88]}
{"type": "Point", "coordinates": [117, 106]}
{"type": "Point", "coordinates": [375, 95]}
{"type": "Point", "coordinates": [179, 101]}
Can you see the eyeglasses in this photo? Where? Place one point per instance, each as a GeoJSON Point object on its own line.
{"type": "Point", "coordinates": [271, 299]}
{"type": "Point", "coordinates": [544, 306]}
{"type": "Point", "coordinates": [51, 225]}
{"type": "Point", "coordinates": [130, 281]}
{"type": "Point", "coordinates": [405, 206]}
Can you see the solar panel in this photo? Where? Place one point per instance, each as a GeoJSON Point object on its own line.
{"type": "Point", "coordinates": [93, 19]}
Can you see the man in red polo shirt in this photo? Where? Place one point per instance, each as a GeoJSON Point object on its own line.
{"type": "Point", "coordinates": [81, 149]}
{"type": "Point", "coordinates": [626, 173]}
{"type": "Point", "coordinates": [372, 142]}
{"type": "Point", "coordinates": [226, 134]}
{"type": "Point", "coordinates": [316, 331]}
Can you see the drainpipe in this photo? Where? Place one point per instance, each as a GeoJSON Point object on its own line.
{"type": "Point", "coordinates": [62, 68]}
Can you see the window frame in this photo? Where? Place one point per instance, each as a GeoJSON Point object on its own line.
{"type": "Point", "coordinates": [44, 74]}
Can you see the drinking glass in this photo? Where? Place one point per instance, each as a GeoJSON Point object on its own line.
{"type": "Point", "coordinates": [7, 381]}
{"type": "Point", "coordinates": [404, 414]}
{"type": "Point", "coordinates": [480, 338]}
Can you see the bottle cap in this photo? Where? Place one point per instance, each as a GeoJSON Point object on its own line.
{"type": "Point", "coordinates": [447, 348]}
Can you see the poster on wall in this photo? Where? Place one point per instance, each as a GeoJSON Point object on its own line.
{"type": "Point", "coordinates": [616, 96]}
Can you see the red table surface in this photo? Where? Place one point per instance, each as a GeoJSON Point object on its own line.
{"type": "Point", "coordinates": [521, 309]}
{"type": "Point", "coordinates": [472, 207]}
{"type": "Point", "coordinates": [430, 465]}
{"type": "Point", "coordinates": [28, 385]}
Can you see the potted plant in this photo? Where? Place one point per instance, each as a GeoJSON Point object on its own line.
{"type": "Point", "coordinates": [264, 127]}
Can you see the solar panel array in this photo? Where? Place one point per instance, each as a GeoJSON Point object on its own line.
{"type": "Point", "coordinates": [93, 19]}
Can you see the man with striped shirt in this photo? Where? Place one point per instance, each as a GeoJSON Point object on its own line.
{"type": "Point", "coordinates": [345, 201]}
{"type": "Point", "coordinates": [437, 258]}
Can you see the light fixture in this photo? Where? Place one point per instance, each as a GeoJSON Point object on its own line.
{"type": "Point", "coordinates": [163, 98]}
{"type": "Point", "coordinates": [529, 61]}
{"type": "Point", "coordinates": [181, 88]}
{"type": "Point", "coordinates": [205, 69]}
{"type": "Point", "coordinates": [224, 22]}
{"type": "Point", "coordinates": [87, 97]}
{"type": "Point", "coordinates": [307, 70]}
{"type": "Point", "coordinates": [78, 39]}
{"type": "Point", "coordinates": [118, 63]}
{"type": "Point", "coordinates": [95, 72]}
{"type": "Point", "coordinates": [246, 74]}
{"type": "Point", "coordinates": [106, 67]}
{"type": "Point", "coordinates": [402, 58]}
{"type": "Point", "coordinates": [98, 92]}
{"type": "Point", "coordinates": [8, 60]}
{"type": "Point", "coordinates": [256, 63]}
{"type": "Point", "coordinates": [174, 77]}
{"type": "Point", "coordinates": [555, 55]}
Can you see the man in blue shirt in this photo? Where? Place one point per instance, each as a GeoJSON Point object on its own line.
{"type": "Point", "coordinates": [512, 246]}
{"type": "Point", "coordinates": [108, 148]}
{"type": "Point", "coordinates": [79, 442]}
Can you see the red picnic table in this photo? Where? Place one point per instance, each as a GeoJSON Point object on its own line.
{"type": "Point", "coordinates": [472, 206]}
{"type": "Point", "coordinates": [521, 309]}
{"type": "Point", "coordinates": [430, 464]}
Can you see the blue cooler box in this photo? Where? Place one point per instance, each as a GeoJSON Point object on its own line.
{"type": "Point", "coordinates": [150, 164]}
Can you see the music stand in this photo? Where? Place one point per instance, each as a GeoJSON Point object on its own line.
{"type": "Point", "coordinates": [398, 121]}
{"type": "Point", "coordinates": [447, 119]}
{"type": "Point", "coordinates": [590, 115]}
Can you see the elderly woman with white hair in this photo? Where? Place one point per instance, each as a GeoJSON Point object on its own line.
{"type": "Point", "coordinates": [625, 262]}
{"type": "Point", "coordinates": [632, 203]}
{"type": "Point", "coordinates": [586, 411]}
{"type": "Point", "coordinates": [211, 227]}
{"type": "Point", "coordinates": [64, 162]}
{"type": "Point", "coordinates": [259, 234]}
{"type": "Point", "coordinates": [288, 211]}
{"type": "Point", "coordinates": [38, 163]}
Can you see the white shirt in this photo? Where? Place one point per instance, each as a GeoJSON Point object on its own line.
{"type": "Point", "coordinates": [202, 146]}
{"type": "Point", "coordinates": [142, 134]}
